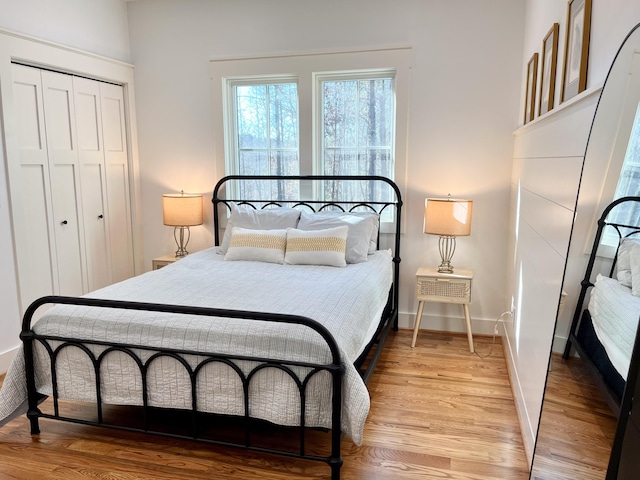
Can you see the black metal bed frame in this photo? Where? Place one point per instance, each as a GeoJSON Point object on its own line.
{"type": "Point", "coordinates": [600, 373]}
{"type": "Point", "coordinates": [55, 344]}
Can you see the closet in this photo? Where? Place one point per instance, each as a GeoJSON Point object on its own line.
{"type": "Point", "coordinates": [69, 184]}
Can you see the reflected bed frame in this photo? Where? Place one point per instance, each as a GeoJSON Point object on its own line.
{"type": "Point", "coordinates": [582, 336]}
{"type": "Point", "coordinates": [365, 364]}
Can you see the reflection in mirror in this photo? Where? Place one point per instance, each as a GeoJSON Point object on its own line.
{"type": "Point", "coordinates": [578, 419]}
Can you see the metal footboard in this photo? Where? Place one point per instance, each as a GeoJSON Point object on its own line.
{"type": "Point", "coordinates": [54, 345]}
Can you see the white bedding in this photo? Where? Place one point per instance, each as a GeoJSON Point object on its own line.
{"type": "Point", "coordinates": [348, 301]}
{"type": "Point", "coordinates": [614, 313]}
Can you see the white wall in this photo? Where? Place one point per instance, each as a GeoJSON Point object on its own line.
{"type": "Point", "coordinates": [97, 26]}
{"type": "Point", "coordinates": [548, 157]}
{"type": "Point", "coordinates": [465, 90]}
{"type": "Point", "coordinates": [100, 27]}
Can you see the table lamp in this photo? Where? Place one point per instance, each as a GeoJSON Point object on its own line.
{"type": "Point", "coordinates": [181, 211]}
{"type": "Point", "coordinates": [449, 218]}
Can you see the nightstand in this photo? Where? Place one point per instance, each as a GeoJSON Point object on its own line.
{"type": "Point", "coordinates": [164, 260]}
{"type": "Point", "coordinates": [433, 286]}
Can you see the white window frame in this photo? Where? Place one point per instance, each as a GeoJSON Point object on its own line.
{"type": "Point", "coordinates": [306, 69]}
{"type": "Point", "coordinates": [231, 134]}
{"type": "Point", "coordinates": [318, 123]}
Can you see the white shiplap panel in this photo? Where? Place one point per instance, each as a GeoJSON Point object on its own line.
{"type": "Point", "coordinates": [563, 134]}
{"type": "Point", "coordinates": [554, 178]}
{"type": "Point", "coordinates": [550, 221]}
{"type": "Point", "coordinates": [537, 277]}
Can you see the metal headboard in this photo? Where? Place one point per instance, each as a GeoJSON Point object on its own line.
{"type": "Point", "coordinates": [315, 205]}
{"type": "Point", "coordinates": [623, 231]}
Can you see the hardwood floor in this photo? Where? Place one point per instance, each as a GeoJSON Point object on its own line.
{"type": "Point", "coordinates": [437, 411]}
{"type": "Point", "coordinates": [576, 428]}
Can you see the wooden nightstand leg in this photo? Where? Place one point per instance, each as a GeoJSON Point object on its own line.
{"type": "Point", "coordinates": [417, 326]}
{"type": "Point", "coordinates": [467, 317]}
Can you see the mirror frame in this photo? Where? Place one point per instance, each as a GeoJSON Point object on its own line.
{"type": "Point", "coordinates": [635, 365]}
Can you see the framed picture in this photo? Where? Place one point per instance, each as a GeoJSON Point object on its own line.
{"type": "Point", "coordinates": [530, 98]}
{"type": "Point", "coordinates": [548, 65]}
{"type": "Point", "coordinates": [576, 48]}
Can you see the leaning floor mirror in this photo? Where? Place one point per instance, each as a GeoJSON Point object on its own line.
{"type": "Point", "coordinates": [581, 403]}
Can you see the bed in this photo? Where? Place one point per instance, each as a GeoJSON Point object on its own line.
{"type": "Point", "coordinates": [262, 330]}
{"type": "Point", "coordinates": [607, 312]}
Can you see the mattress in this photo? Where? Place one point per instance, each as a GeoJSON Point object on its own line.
{"type": "Point", "coordinates": [348, 301]}
{"type": "Point", "coordinates": [615, 313]}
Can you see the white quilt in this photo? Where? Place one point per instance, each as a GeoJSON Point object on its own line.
{"type": "Point", "coordinates": [348, 301]}
{"type": "Point", "coordinates": [614, 314]}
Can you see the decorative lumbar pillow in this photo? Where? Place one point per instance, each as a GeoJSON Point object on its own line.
{"type": "Point", "coordinates": [359, 235]}
{"type": "Point", "coordinates": [317, 247]}
{"type": "Point", "coordinates": [257, 245]}
{"type": "Point", "coordinates": [623, 264]}
{"type": "Point", "coordinates": [245, 216]}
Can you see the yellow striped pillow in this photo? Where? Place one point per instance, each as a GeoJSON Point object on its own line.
{"type": "Point", "coordinates": [317, 247]}
{"type": "Point", "coordinates": [257, 245]}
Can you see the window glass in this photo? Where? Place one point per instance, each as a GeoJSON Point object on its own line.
{"type": "Point", "coordinates": [357, 135]}
{"type": "Point", "coordinates": [627, 213]}
{"type": "Point", "coordinates": [266, 140]}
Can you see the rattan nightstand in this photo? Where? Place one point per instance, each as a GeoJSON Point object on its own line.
{"type": "Point", "coordinates": [433, 286]}
{"type": "Point", "coordinates": [164, 260]}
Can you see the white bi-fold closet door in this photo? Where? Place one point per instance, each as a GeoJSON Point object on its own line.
{"type": "Point", "coordinates": [69, 184]}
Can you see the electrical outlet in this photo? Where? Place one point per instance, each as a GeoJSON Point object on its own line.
{"type": "Point", "coordinates": [495, 329]}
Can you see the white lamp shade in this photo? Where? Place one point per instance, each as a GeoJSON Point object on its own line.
{"type": "Point", "coordinates": [181, 210]}
{"type": "Point", "coordinates": [447, 216]}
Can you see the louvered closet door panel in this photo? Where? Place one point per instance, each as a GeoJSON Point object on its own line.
{"type": "Point", "coordinates": [91, 155]}
{"type": "Point", "coordinates": [117, 170]}
{"type": "Point", "coordinates": [65, 181]}
{"type": "Point", "coordinates": [29, 177]}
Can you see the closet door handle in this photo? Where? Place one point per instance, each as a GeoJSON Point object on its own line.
{"type": "Point", "coordinates": [64, 222]}
{"type": "Point", "coordinates": [100, 216]}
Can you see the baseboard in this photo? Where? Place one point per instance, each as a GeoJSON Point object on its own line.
{"type": "Point", "coordinates": [558, 344]}
{"type": "Point", "coordinates": [526, 429]}
{"type": "Point", "coordinates": [6, 358]}
{"type": "Point", "coordinates": [482, 326]}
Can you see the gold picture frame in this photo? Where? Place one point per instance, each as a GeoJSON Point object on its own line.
{"type": "Point", "coordinates": [530, 97]}
{"type": "Point", "coordinates": [548, 67]}
{"type": "Point", "coordinates": [576, 49]}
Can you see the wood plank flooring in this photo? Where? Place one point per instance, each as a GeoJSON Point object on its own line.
{"type": "Point", "coordinates": [576, 428]}
{"type": "Point", "coordinates": [437, 411]}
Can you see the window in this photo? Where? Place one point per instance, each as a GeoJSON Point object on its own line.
{"type": "Point", "coordinates": [629, 181]}
{"type": "Point", "coordinates": [617, 149]}
{"type": "Point", "coordinates": [264, 119]}
{"type": "Point", "coordinates": [628, 185]}
{"type": "Point", "coordinates": [357, 132]}
{"type": "Point", "coordinates": [332, 114]}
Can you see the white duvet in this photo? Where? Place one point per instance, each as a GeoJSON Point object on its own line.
{"type": "Point", "coordinates": [348, 301]}
{"type": "Point", "coordinates": [614, 314]}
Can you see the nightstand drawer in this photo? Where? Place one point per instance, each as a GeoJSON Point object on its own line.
{"type": "Point", "coordinates": [451, 290]}
{"type": "Point", "coordinates": [163, 261]}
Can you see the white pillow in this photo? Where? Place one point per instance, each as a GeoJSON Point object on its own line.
{"type": "Point", "coordinates": [317, 247]}
{"type": "Point", "coordinates": [268, 219]}
{"type": "Point", "coordinates": [257, 245]}
{"type": "Point", "coordinates": [375, 220]}
{"type": "Point", "coordinates": [634, 261]}
{"type": "Point", "coordinates": [360, 230]}
{"type": "Point", "coordinates": [623, 264]}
